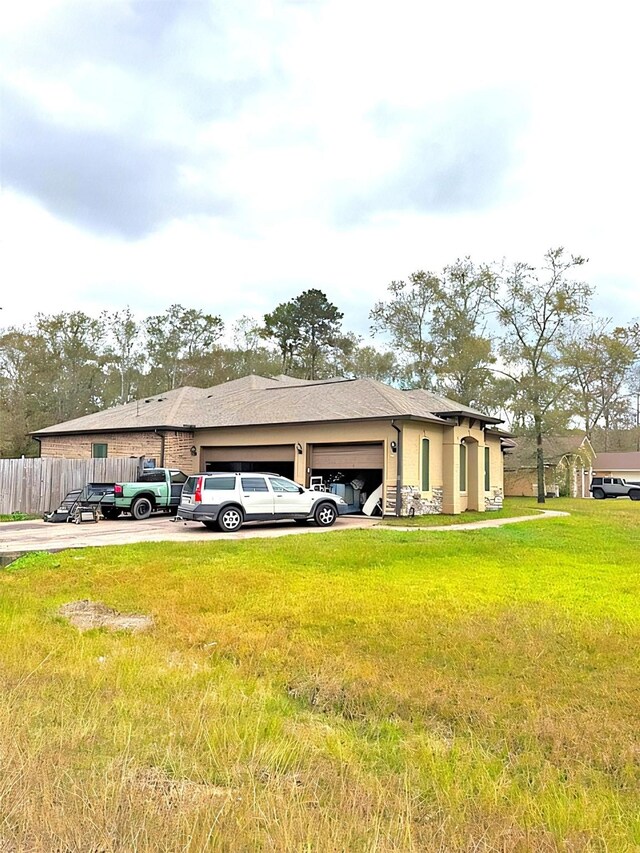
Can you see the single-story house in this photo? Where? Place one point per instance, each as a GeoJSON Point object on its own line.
{"type": "Point", "coordinates": [568, 463]}
{"type": "Point", "coordinates": [358, 434]}
{"type": "Point", "coordinates": [619, 464]}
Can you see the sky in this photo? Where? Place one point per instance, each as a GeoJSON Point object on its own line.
{"type": "Point", "coordinates": [229, 155]}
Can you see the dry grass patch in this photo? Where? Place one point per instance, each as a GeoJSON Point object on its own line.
{"type": "Point", "coordinates": [85, 615]}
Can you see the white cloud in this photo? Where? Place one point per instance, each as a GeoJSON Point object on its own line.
{"type": "Point", "coordinates": [244, 152]}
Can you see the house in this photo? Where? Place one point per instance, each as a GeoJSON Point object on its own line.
{"type": "Point", "coordinates": [568, 461]}
{"type": "Point", "coordinates": [625, 465]}
{"type": "Point", "coordinates": [358, 434]}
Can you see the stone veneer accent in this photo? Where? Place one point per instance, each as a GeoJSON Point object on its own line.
{"type": "Point", "coordinates": [414, 504]}
{"type": "Point", "coordinates": [494, 501]}
{"type": "Point", "coordinates": [412, 501]}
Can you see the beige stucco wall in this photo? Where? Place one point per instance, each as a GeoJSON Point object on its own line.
{"type": "Point", "coordinates": [306, 435]}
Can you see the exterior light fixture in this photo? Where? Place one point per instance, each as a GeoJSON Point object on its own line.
{"type": "Point", "coordinates": [193, 450]}
{"type": "Point", "coordinates": [394, 447]}
{"type": "Point", "coordinates": [299, 447]}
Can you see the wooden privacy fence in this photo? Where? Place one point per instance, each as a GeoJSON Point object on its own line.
{"type": "Point", "coordinates": [36, 486]}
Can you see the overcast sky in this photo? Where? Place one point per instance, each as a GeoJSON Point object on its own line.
{"type": "Point", "coordinates": [228, 155]}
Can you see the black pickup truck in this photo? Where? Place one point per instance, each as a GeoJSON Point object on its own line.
{"type": "Point", "coordinates": [614, 487]}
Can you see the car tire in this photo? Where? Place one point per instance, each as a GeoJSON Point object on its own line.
{"type": "Point", "coordinates": [325, 514]}
{"type": "Point", "coordinates": [141, 508]}
{"type": "Point", "coordinates": [634, 494]}
{"type": "Point", "coordinates": [111, 513]}
{"type": "Point", "coordinates": [599, 494]}
{"type": "Point", "coordinates": [230, 519]}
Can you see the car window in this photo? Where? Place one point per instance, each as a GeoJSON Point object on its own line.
{"type": "Point", "coordinates": [617, 482]}
{"type": "Point", "coordinates": [254, 484]}
{"type": "Point", "coordinates": [597, 481]}
{"type": "Point", "coordinates": [281, 484]}
{"type": "Point", "coordinates": [220, 484]}
{"type": "Point", "coordinates": [190, 486]}
{"type": "Point", "coordinates": [157, 476]}
{"type": "Point", "coordinates": [178, 477]}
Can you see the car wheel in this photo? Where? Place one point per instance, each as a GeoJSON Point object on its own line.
{"type": "Point", "coordinates": [325, 515]}
{"type": "Point", "coordinates": [599, 494]}
{"type": "Point", "coordinates": [230, 519]}
{"type": "Point", "coordinates": [634, 494]}
{"type": "Point", "coordinates": [110, 513]}
{"type": "Point", "coordinates": [141, 508]}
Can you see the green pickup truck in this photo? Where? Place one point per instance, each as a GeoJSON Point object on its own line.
{"type": "Point", "coordinates": [157, 489]}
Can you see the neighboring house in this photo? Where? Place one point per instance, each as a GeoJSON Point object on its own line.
{"type": "Point", "coordinates": [355, 435]}
{"type": "Point", "coordinates": [568, 462]}
{"type": "Point", "coordinates": [623, 464]}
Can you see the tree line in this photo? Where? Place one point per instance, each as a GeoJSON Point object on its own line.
{"type": "Point", "coordinates": [516, 340]}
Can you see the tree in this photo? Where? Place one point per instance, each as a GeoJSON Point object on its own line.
{"type": "Point", "coordinates": [406, 318]}
{"type": "Point", "coordinates": [124, 351]}
{"type": "Point", "coordinates": [283, 328]}
{"type": "Point", "coordinates": [534, 310]}
{"type": "Point", "coordinates": [73, 362]}
{"type": "Point", "coordinates": [306, 330]}
{"type": "Point", "coordinates": [177, 339]}
{"type": "Point", "coordinates": [602, 361]}
{"type": "Point", "coordinates": [438, 324]}
{"type": "Point", "coordinates": [21, 399]}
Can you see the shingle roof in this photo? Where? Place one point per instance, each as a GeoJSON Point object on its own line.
{"type": "Point", "coordinates": [256, 400]}
{"type": "Point", "coordinates": [619, 461]}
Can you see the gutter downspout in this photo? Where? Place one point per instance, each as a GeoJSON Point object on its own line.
{"type": "Point", "coordinates": [398, 470]}
{"type": "Point", "coordinates": [162, 440]}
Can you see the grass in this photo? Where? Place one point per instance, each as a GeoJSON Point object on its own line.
{"type": "Point", "coordinates": [357, 691]}
{"type": "Point", "coordinates": [18, 516]}
{"type": "Point", "coordinates": [512, 508]}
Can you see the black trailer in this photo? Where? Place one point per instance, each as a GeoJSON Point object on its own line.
{"type": "Point", "coordinates": [80, 505]}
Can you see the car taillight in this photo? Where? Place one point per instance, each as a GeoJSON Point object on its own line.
{"type": "Point", "coordinates": [198, 493]}
{"type": "Point", "coordinates": [117, 489]}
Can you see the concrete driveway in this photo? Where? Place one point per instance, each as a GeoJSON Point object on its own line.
{"type": "Point", "coordinates": [20, 536]}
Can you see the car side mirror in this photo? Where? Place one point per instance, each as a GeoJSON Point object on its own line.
{"type": "Point", "coordinates": [301, 490]}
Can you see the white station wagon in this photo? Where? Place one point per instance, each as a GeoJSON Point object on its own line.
{"type": "Point", "coordinates": [224, 501]}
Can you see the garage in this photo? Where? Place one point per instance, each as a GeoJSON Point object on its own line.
{"type": "Point", "coordinates": [353, 471]}
{"type": "Point", "coordinates": [275, 458]}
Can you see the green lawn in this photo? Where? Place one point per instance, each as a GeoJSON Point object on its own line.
{"type": "Point", "coordinates": [357, 691]}
{"type": "Point", "coordinates": [512, 508]}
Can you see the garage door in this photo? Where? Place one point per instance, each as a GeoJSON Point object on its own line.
{"type": "Point", "coordinates": [264, 453]}
{"type": "Point", "coordinates": [347, 456]}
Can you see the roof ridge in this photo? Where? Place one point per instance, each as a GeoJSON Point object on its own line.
{"type": "Point", "coordinates": [383, 390]}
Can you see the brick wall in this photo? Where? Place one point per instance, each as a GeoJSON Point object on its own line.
{"type": "Point", "coordinates": [176, 452]}
{"type": "Point", "coordinates": [118, 444]}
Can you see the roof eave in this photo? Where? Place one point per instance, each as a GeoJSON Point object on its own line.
{"type": "Point", "coordinates": [96, 430]}
{"type": "Point", "coordinates": [487, 419]}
